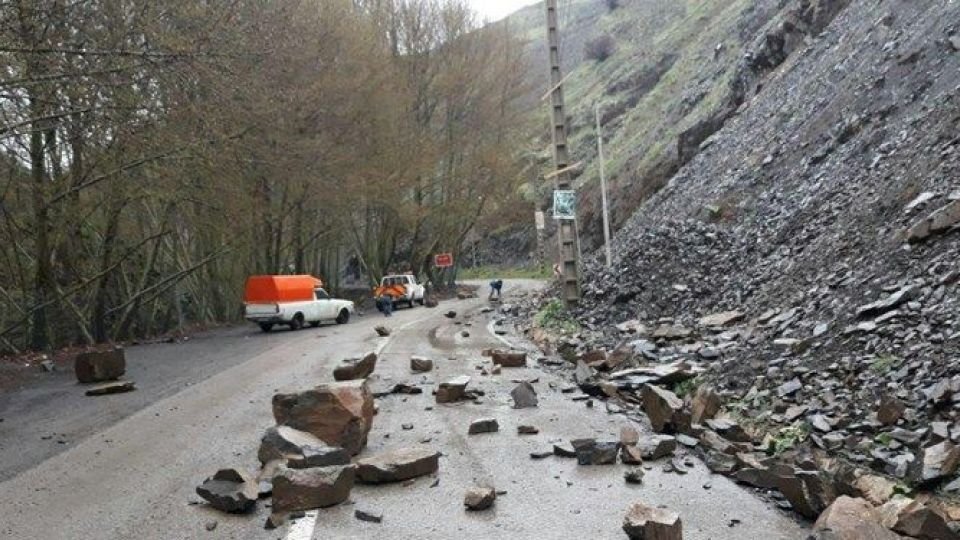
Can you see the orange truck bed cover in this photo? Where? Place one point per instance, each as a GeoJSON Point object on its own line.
{"type": "Point", "coordinates": [277, 289]}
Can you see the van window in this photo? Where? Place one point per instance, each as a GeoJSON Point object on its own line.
{"type": "Point", "coordinates": [321, 294]}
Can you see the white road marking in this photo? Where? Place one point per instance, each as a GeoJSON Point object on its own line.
{"type": "Point", "coordinates": [302, 529]}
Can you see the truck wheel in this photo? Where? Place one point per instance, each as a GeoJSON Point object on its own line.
{"type": "Point", "coordinates": [266, 326]}
{"type": "Point", "coordinates": [315, 324]}
{"type": "Point", "coordinates": [297, 322]}
{"type": "Point", "coordinates": [343, 317]}
{"type": "Point", "coordinates": [422, 300]}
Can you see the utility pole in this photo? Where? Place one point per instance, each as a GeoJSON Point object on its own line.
{"type": "Point", "coordinates": [566, 235]}
{"type": "Point", "coordinates": [603, 192]}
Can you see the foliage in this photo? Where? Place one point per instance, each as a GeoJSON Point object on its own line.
{"type": "Point", "coordinates": [154, 153]}
{"type": "Point", "coordinates": [788, 437]}
{"type": "Point", "coordinates": [554, 316]}
{"type": "Point", "coordinates": [599, 48]}
{"type": "Point", "coordinates": [687, 387]}
{"type": "Point", "coordinates": [884, 363]}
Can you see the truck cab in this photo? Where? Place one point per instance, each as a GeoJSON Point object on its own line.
{"type": "Point", "coordinates": [293, 301]}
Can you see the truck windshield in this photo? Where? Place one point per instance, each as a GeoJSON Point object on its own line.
{"type": "Point", "coordinates": [321, 294]}
{"type": "Point", "coordinates": [396, 280]}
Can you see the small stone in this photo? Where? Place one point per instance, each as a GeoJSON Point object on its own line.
{"type": "Point", "coordinates": [450, 314]}
{"type": "Point", "coordinates": [351, 369]}
{"type": "Point", "coordinates": [118, 387]}
{"type": "Point", "coordinates": [211, 525]}
{"type": "Point", "coordinates": [229, 490]}
{"type": "Point", "coordinates": [509, 359]}
{"type": "Point", "coordinates": [630, 455]}
{"type": "Point", "coordinates": [524, 396]}
{"type": "Point", "coordinates": [657, 446]}
{"type": "Point", "coordinates": [647, 523]}
{"type": "Point", "coordinates": [453, 390]}
{"type": "Point", "coordinates": [564, 450]}
{"type": "Point", "coordinates": [592, 452]}
{"type": "Point", "coordinates": [398, 465]}
{"type": "Point", "coordinates": [527, 430]}
{"type": "Point", "coordinates": [483, 425]}
{"type": "Point", "coordinates": [479, 498]}
{"type": "Point", "coordinates": [633, 476]}
{"type": "Point", "coordinates": [662, 407]}
{"type": "Point", "coordinates": [420, 364]}
{"type": "Point", "coordinates": [368, 516]}
{"type": "Point", "coordinates": [382, 331]}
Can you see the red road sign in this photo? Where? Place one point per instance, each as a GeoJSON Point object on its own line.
{"type": "Point", "coordinates": [443, 260]}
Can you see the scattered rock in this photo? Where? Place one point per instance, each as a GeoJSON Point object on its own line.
{"type": "Point", "coordinates": [633, 476]}
{"type": "Point", "coordinates": [662, 406]}
{"type": "Point", "coordinates": [509, 359]}
{"type": "Point", "coordinates": [210, 525]}
{"type": "Point", "coordinates": [564, 450]}
{"type": "Point", "coordinates": [524, 396]}
{"type": "Point", "coordinates": [483, 425]}
{"type": "Point", "coordinates": [592, 452]}
{"type": "Point", "coordinates": [656, 446]}
{"type": "Point", "coordinates": [420, 364]}
{"type": "Point", "coordinates": [850, 519]}
{"type": "Point", "coordinates": [916, 520]}
{"type": "Point", "coordinates": [282, 442]}
{"type": "Point", "coordinates": [117, 387]}
{"type": "Point", "coordinates": [339, 414]}
{"type": "Point", "coordinates": [890, 410]}
{"type": "Point", "coordinates": [229, 490]}
{"type": "Point", "coordinates": [100, 366]}
{"type": "Point", "coordinates": [527, 430]}
{"type": "Point", "coordinates": [630, 455]}
{"type": "Point", "coordinates": [450, 314]}
{"type": "Point", "coordinates": [355, 368]}
{"type": "Point", "coordinates": [936, 462]}
{"type": "Point", "coordinates": [368, 516]}
{"type": "Point", "coordinates": [398, 465]}
{"type": "Point", "coordinates": [479, 498]}
{"type": "Point", "coordinates": [308, 489]}
{"type": "Point", "coordinates": [382, 331]}
{"type": "Point", "coordinates": [453, 390]}
{"type": "Point", "coordinates": [644, 522]}
{"type": "Point", "coordinates": [706, 404]}
{"type": "Point", "coordinates": [724, 318]}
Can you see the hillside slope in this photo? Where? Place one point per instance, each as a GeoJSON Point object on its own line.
{"type": "Point", "coordinates": [809, 214]}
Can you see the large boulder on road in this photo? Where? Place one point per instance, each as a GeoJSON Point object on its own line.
{"type": "Point", "coordinates": [398, 465]}
{"type": "Point", "coordinates": [299, 448]}
{"type": "Point", "coordinates": [308, 489]}
{"type": "Point", "coordinates": [663, 407]}
{"type": "Point", "coordinates": [850, 519]}
{"type": "Point", "coordinates": [339, 414]}
{"type": "Point", "coordinates": [229, 490]}
{"type": "Point", "coordinates": [644, 522]}
{"type": "Point", "coordinates": [100, 366]}
{"type": "Point", "coordinates": [351, 369]}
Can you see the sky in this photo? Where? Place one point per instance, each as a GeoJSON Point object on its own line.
{"type": "Point", "coordinates": [498, 9]}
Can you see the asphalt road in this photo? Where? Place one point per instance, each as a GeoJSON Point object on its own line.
{"type": "Point", "coordinates": [134, 460]}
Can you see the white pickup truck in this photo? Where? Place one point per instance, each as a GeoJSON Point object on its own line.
{"type": "Point", "coordinates": [402, 289]}
{"type": "Point", "coordinates": [292, 301]}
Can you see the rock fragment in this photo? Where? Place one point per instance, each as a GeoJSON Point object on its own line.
{"type": "Point", "coordinates": [117, 387]}
{"type": "Point", "coordinates": [479, 498]}
{"type": "Point", "coordinates": [890, 410]}
{"type": "Point", "coordinates": [368, 516]}
{"type": "Point", "coordinates": [850, 519]}
{"type": "Point", "coordinates": [527, 430]}
{"type": "Point", "coordinates": [483, 425]}
{"type": "Point", "coordinates": [662, 406]}
{"type": "Point", "coordinates": [382, 331]}
{"type": "Point", "coordinates": [398, 465]}
{"type": "Point", "coordinates": [340, 414]}
{"type": "Point", "coordinates": [509, 359]}
{"type": "Point", "coordinates": [351, 369]}
{"type": "Point", "coordinates": [100, 366]}
{"type": "Point", "coordinates": [308, 489]}
{"type": "Point", "coordinates": [453, 390]}
{"type": "Point", "coordinates": [656, 446]}
{"type": "Point", "coordinates": [524, 396]}
{"type": "Point", "coordinates": [936, 462]}
{"type": "Point", "coordinates": [644, 522]}
{"type": "Point", "coordinates": [229, 490]}
{"type": "Point", "coordinates": [593, 452]}
{"type": "Point", "coordinates": [420, 364]}
{"type": "Point", "coordinates": [915, 519]}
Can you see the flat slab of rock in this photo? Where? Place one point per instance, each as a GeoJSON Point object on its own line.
{"type": "Point", "coordinates": [117, 387]}
{"type": "Point", "coordinates": [398, 465]}
{"type": "Point", "coordinates": [351, 369]}
{"type": "Point", "coordinates": [524, 396]}
{"type": "Point", "coordinates": [509, 358]}
{"type": "Point", "coordinates": [420, 364]}
{"type": "Point", "coordinates": [915, 519]}
{"type": "Point", "coordinates": [453, 390]}
{"type": "Point", "coordinates": [229, 490]}
{"type": "Point", "coordinates": [644, 522]}
{"type": "Point", "coordinates": [656, 446]}
{"type": "Point", "coordinates": [479, 498]}
{"type": "Point", "coordinates": [280, 442]}
{"type": "Point", "coordinates": [722, 319]}
{"type": "Point", "coordinates": [368, 516]}
{"type": "Point", "coordinates": [100, 366]}
{"type": "Point", "coordinates": [483, 425]}
{"type": "Point", "coordinates": [936, 462]}
{"type": "Point", "coordinates": [309, 489]}
{"type": "Point", "coordinates": [851, 519]}
{"type": "Point", "coordinates": [339, 414]}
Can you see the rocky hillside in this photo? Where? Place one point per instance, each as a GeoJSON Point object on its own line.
{"type": "Point", "coordinates": [807, 258]}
